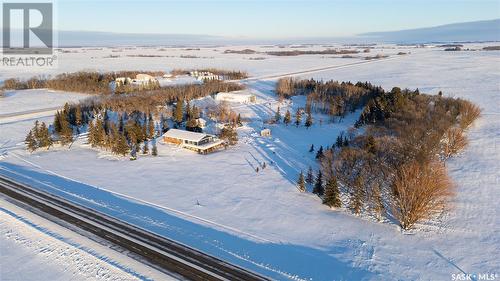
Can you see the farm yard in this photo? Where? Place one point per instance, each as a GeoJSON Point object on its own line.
{"type": "Point", "coordinates": [241, 203]}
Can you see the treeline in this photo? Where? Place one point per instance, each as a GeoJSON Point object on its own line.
{"type": "Point", "coordinates": [395, 168]}
{"type": "Point", "coordinates": [320, 52]}
{"type": "Point", "coordinates": [287, 118]}
{"type": "Point", "coordinates": [124, 123]}
{"type": "Point", "coordinates": [491, 48]}
{"type": "Point", "coordinates": [227, 74]}
{"type": "Point", "coordinates": [38, 137]}
{"type": "Point", "coordinates": [150, 100]}
{"type": "Point", "coordinates": [330, 97]}
{"type": "Point", "coordinates": [132, 134]}
{"type": "Point", "coordinates": [89, 82]}
{"type": "Point", "coordinates": [241, 52]}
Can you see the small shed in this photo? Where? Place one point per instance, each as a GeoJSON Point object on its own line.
{"type": "Point", "coordinates": [265, 132]}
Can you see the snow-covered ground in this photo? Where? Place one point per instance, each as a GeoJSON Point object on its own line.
{"type": "Point", "coordinates": [260, 220]}
{"type": "Point", "coordinates": [168, 58]}
{"type": "Point", "coordinates": [33, 249]}
{"type": "Point", "coordinates": [16, 102]}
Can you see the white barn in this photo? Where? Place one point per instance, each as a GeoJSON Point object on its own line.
{"type": "Point", "coordinates": [236, 96]}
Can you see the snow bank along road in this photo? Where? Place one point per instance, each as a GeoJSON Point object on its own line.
{"type": "Point", "coordinates": [28, 115]}
{"type": "Point", "coordinates": [162, 253]}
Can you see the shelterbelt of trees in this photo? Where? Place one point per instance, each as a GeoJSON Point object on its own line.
{"type": "Point", "coordinates": [311, 52]}
{"type": "Point", "coordinates": [88, 82]}
{"type": "Point", "coordinates": [227, 74]}
{"type": "Point", "coordinates": [395, 168]}
{"type": "Point", "coordinates": [124, 123]}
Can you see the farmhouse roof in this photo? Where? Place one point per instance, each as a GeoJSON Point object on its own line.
{"type": "Point", "coordinates": [184, 135]}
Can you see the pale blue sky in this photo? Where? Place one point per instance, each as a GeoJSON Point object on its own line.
{"type": "Point", "coordinates": [267, 19]}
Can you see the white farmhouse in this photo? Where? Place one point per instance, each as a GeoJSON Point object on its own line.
{"type": "Point", "coordinates": [199, 142]}
{"type": "Point", "coordinates": [143, 79]}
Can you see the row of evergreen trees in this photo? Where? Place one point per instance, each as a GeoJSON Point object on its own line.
{"type": "Point", "coordinates": [38, 137]}
{"type": "Point", "coordinates": [330, 97]}
{"type": "Point", "coordinates": [188, 114]}
{"type": "Point", "coordinates": [66, 122]}
{"type": "Point", "coordinates": [287, 119]}
{"type": "Point", "coordinates": [327, 189]}
{"type": "Point", "coordinates": [395, 165]}
{"type": "Point", "coordinates": [128, 137]}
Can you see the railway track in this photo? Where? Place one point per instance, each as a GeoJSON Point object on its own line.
{"type": "Point", "coordinates": [159, 251]}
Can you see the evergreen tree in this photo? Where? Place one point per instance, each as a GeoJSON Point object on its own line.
{"type": "Point", "coordinates": [319, 154]}
{"type": "Point", "coordinates": [310, 176]}
{"type": "Point", "coordinates": [44, 136]}
{"type": "Point", "coordinates": [277, 116]}
{"type": "Point", "coordinates": [318, 185]}
{"type": "Point", "coordinates": [195, 111]}
{"type": "Point", "coordinates": [105, 120]}
{"type": "Point", "coordinates": [298, 117]}
{"type": "Point", "coordinates": [340, 142]}
{"type": "Point", "coordinates": [345, 142]}
{"type": "Point", "coordinates": [30, 141]}
{"type": "Point", "coordinates": [229, 134]}
{"type": "Point", "coordinates": [288, 118]}
{"type": "Point", "coordinates": [311, 149]}
{"type": "Point", "coordinates": [120, 144]}
{"type": "Point", "coordinates": [78, 116]}
{"type": "Point", "coordinates": [57, 122]}
{"type": "Point", "coordinates": [309, 120]}
{"type": "Point", "coordinates": [238, 120]}
{"type": "Point", "coordinates": [191, 125]}
{"type": "Point", "coordinates": [301, 185]}
{"type": "Point", "coordinates": [332, 193]}
{"type": "Point", "coordinates": [151, 127]}
{"type": "Point", "coordinates": [356, 202]}
{"type": "Point", "coordinates": [66, 134]}
{"type": "Point", "coordinates": [163, 124]}
{"type": "Point", "coordinates": [179, 111]}
{"type": "Point", "coordinates": [99, 134]}
{"type": "Point", "coordinates": [134, 133]}
{"type": "Point", "coordinates": [36, 130]}
{"type": "Point", "coordinates": [154, 150]}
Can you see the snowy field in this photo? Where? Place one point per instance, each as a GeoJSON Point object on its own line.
{"type": "Point", "coordinates": [168, 58]}
{"type": "Point", "coordinates": [33, 248]}
{"type": "Point", "coordinates": [219, 204]}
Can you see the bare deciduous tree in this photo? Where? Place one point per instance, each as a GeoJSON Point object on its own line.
{"type": "Point", "coordinates": [419, 191]}
{"type": "Point", "coordinates": [453, 141]}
